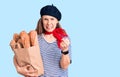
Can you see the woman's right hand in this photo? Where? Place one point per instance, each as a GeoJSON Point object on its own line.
{"type": "Point", "coordinates": [25, 70]}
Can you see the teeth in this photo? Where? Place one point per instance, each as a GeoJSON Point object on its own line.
{"type": "Point", "coordinates": [49, 27]}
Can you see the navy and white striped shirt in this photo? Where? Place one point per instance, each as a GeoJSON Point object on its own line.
{"type": "Point", "coordinates": [51, 56]}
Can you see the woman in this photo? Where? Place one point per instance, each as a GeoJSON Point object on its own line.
{"type": "Point", "coordinates": [54, 45]}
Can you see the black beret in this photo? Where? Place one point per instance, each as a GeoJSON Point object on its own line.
{"type": "Point", "coordinates": [51, 10]}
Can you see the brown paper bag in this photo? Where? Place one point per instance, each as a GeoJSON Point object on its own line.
{"type": "Point", "coordinates": [30, 56]}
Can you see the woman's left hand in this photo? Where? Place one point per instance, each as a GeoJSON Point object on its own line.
{"type": "Point", "coordinates": [64, 45]}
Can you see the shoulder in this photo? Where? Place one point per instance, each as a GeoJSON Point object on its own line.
{"type": "Point", "coordinates": [39, 36]}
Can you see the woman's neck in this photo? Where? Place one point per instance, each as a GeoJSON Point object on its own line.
{"type": "Point", "coordinates": [49, 38]}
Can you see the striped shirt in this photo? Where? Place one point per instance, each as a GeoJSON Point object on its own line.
{"type": "Point", "coordinates": [51, 56]}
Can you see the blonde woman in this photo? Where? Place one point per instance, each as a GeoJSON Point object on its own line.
{"type": "Point", "coordinates": [54, 44]}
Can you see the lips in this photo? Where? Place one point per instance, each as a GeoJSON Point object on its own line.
{"type": "Point", "coordinates": [49, 28]}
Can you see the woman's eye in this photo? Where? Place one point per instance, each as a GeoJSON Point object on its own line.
{"type": "Point", "coordinates": [45, 19]}
{"type": "Point", "coordinates": [52, 18]}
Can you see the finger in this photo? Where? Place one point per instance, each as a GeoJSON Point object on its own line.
{"type": "Point", "coordinates": [32, 75]}
{"type": "Point", "coordinates": [28, 68]}
{"type": "Point", "coordinates": [63, 45]}
{"type": "Point", "coordinates": [32, 71]}
{"type": "Point", "coordinates": [66, 40]}
{"type": "Point", "coordinates": [29, 75]}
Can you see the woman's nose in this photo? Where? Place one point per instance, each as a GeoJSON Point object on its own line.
{"type": "Point", "coordinates": [49, 21]}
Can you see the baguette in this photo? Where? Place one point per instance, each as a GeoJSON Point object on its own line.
{"type": "Point", "coordinates": [16, 37]}
{"type": "Point", "coordinates": [33, 38]}
{"type": "Point", "coordinates": [19, 44]}
{"type": "Point", "coordinates": [25, 39]}
{"type": "Point", "coordinates": [13, 44]}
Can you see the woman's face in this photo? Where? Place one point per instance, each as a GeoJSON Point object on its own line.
{"type": "Point", "coordinates": [49, 23]}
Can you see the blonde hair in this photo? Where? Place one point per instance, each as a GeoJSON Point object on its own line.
{"type": "Point", "coordinates": [40, 28]}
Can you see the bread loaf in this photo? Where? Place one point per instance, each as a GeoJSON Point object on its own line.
{"type": "Point", "coordinates": [19, 44]}
{"type": "Point", "coordinates": [16, 37]}
{"type": "Point", "coordinates": [33, 38]}
{"type": "Point", "coordinates": [12, 44]}
{"type": "Point", "coordinates": [25, 39]}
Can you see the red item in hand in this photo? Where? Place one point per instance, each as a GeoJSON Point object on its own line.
{"type": "Point", "coordinates": [59, 34]}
